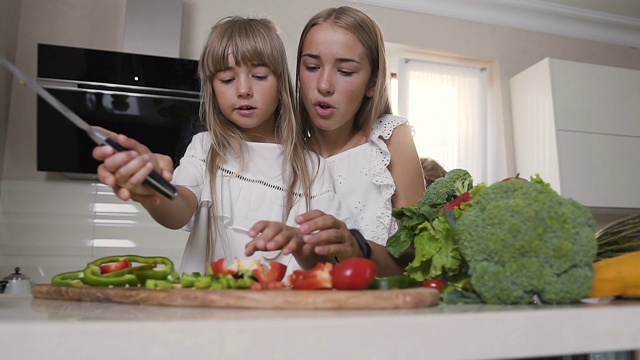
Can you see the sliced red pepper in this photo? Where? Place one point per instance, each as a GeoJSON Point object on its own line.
{"type": "Point", "coordinates": [115, 266]}
{"type": "Point", "coordinates": [238, 268]}
{"type": "Point", "coordinates": [274, 272]}
{"type": "Point", "coordinates": [466, 197]}
{"type": "Point", "coordinates": [317, 278]}
{"type": "Point", "coordinates": [220, 267]}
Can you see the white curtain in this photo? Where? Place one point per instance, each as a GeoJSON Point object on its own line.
{"type": "Point", "coordinates": [447, 105]}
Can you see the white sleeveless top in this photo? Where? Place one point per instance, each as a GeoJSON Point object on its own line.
{"type": "Point", "coordinates": [257, 192]}
{"type": "Point", "coordinates": [364, 183]}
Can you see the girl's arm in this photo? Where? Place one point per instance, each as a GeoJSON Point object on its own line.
{"type": "Point", "coordinates": [176, 213]}
{"type": "Point", "coordinates": [387, 264]}
{"type": "Point", "coordinates": [125, 172]}
{"type": "Point", "coordinates": [406, 170]}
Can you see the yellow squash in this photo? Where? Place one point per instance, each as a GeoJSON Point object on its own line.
{"type": "Point", "coordinates": [617, 276]}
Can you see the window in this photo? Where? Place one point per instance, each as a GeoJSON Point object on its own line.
{"type": "Point", "coordinates": [447, 107]}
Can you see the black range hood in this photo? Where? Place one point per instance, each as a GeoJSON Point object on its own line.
{"type": "Point", "coordinates": [153, 99]}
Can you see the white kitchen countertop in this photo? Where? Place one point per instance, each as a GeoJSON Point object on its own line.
{"type": "Point", "coordinates": [56, 329]}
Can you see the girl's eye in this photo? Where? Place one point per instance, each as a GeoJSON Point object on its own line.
{"type": "Point", "coordinates": [346, 72]}
{"type": "Point", "coordinates": [311, 68]}
{"type": "Point", "coordinates": [226, 81]}
{"type": "Point", "coordinates": [261, 77]}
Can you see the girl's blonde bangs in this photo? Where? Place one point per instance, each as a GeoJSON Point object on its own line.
{"type": "Point", "coordinates": [258, 48]}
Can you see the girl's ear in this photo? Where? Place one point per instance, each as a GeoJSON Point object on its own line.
{"type": "Point", "coordinates": [372, 88]}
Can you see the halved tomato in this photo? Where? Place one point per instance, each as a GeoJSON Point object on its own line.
{"type": "Point", "coordinates": [115, 266]}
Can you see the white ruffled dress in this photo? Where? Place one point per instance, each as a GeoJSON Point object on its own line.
{"type": "Point", "coordinates": [363, 182]}
{"type": "Point", "coordinates": [257, 192]}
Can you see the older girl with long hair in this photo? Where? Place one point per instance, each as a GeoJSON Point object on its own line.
{"type": "Point", "coordinates": [344, 106]}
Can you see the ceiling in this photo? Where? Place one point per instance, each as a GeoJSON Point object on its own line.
{"type": "Point", "coordinates": [630, 8]}
{"type": "Point", "coordinates": [610, 21]}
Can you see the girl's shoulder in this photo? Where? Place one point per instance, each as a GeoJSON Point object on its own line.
{"type": "Point", "coordinates": [386, 124]}
{"type": "Point", "coordinates": [199, 145]}
{"type": "Point", "coordinates": [201, 138]}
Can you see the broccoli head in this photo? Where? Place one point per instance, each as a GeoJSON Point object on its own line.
{"type": "Point", "coordinates": [521, 239]}
{"type": "Point", "coordinates": [445, 189]}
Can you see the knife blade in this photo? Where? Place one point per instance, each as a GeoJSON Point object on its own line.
{"type": "Point", "coordinates": [154, 180]}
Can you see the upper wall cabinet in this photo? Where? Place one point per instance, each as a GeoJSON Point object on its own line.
{"type": "Point", "coordinates": [578, 125]}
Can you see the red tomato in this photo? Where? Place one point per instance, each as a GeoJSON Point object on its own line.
{"type": "Point", "coordinates": [517, 177]}
{"type": "Point", "coordinates": [435, 284]}
{"type": "Point", "coordinates": [274, 272]}
{"type": "Point", "coordinates": [354, 274]}
{"type": "Point", "coordinates": [317, 278]}
{"type": "Point", "coordinates": [115, 266]}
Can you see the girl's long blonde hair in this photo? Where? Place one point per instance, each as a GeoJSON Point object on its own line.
{"type": "Point", "coordinates": [367, 31]}
{"type": "Point", "coordinates": [252, 41]}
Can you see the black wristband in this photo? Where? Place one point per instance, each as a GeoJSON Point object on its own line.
{"type": "Point", "coordinates": [363, 244]}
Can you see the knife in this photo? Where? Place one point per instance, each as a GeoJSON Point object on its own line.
{"type": "Point", "coordinates": [154, 180]}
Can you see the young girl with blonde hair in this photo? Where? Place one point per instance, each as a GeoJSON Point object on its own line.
{"type": "Point", "coordinates": [251, 165]}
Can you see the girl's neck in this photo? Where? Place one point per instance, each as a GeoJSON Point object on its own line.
{"type": "Point", "coordinates": [264, 133]}
{"type": "Point", "coordinates": [329, 143]}
{"type": "Point", "coordinates": [261, 138]}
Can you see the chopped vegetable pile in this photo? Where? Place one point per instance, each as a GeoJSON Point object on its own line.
{"type": "Point", "coordinates": [159, 273]}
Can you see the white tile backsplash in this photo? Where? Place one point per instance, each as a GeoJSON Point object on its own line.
{"type": "Point", "coordinates": [49, 227]}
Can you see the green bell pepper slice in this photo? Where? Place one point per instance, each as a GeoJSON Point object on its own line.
{"type": "Point", "coordinates": [69, 279]}
{"type": "Point", "coordinates": [203, 282]}
{"type": "Point", "coordinates": [393, 282]}
{"type": "Point", "coordinates": [132, 276]}
{"type": "Point", "coordinates": [161, 273]}
{"type": "Point", "coordinates": [158, 284]}
{"type": "Point", "coordinates": [188, 280]}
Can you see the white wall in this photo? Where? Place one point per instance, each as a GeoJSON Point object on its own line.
{"type": "Point", "coordinates": [9, 21]}
{"type": "Point", "coordinates": [48, 222]}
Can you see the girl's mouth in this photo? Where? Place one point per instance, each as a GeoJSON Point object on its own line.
{"type": "Point", "coordinates": [324, 105]}
{"type": "Point", "coordinates": [324, 110]}
{"type": "Point", "coordinates": [246, 110]}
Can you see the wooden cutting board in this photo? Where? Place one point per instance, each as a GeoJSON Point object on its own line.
{"type": "Point", "coordinates": [248, 299]}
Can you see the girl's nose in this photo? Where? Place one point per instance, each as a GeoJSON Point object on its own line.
{"type": "Point", "coordinates": [244, 88]}
{"type": "Point", "coordinates": [325, 83]}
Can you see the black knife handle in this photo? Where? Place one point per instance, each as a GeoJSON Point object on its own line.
{"type": "Point", "coordinates": [154, 180]}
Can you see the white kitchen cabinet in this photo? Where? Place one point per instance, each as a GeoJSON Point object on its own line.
{"type": "Point", "coordinates": [578, 125]}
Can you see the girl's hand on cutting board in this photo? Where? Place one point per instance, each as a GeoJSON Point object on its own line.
{"type": "Point", "coordinates": [274, 235]}
{"type": "Point", "coordinates": [125, 172]}
{"type": "Point", "coordinates": [329, 236]}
